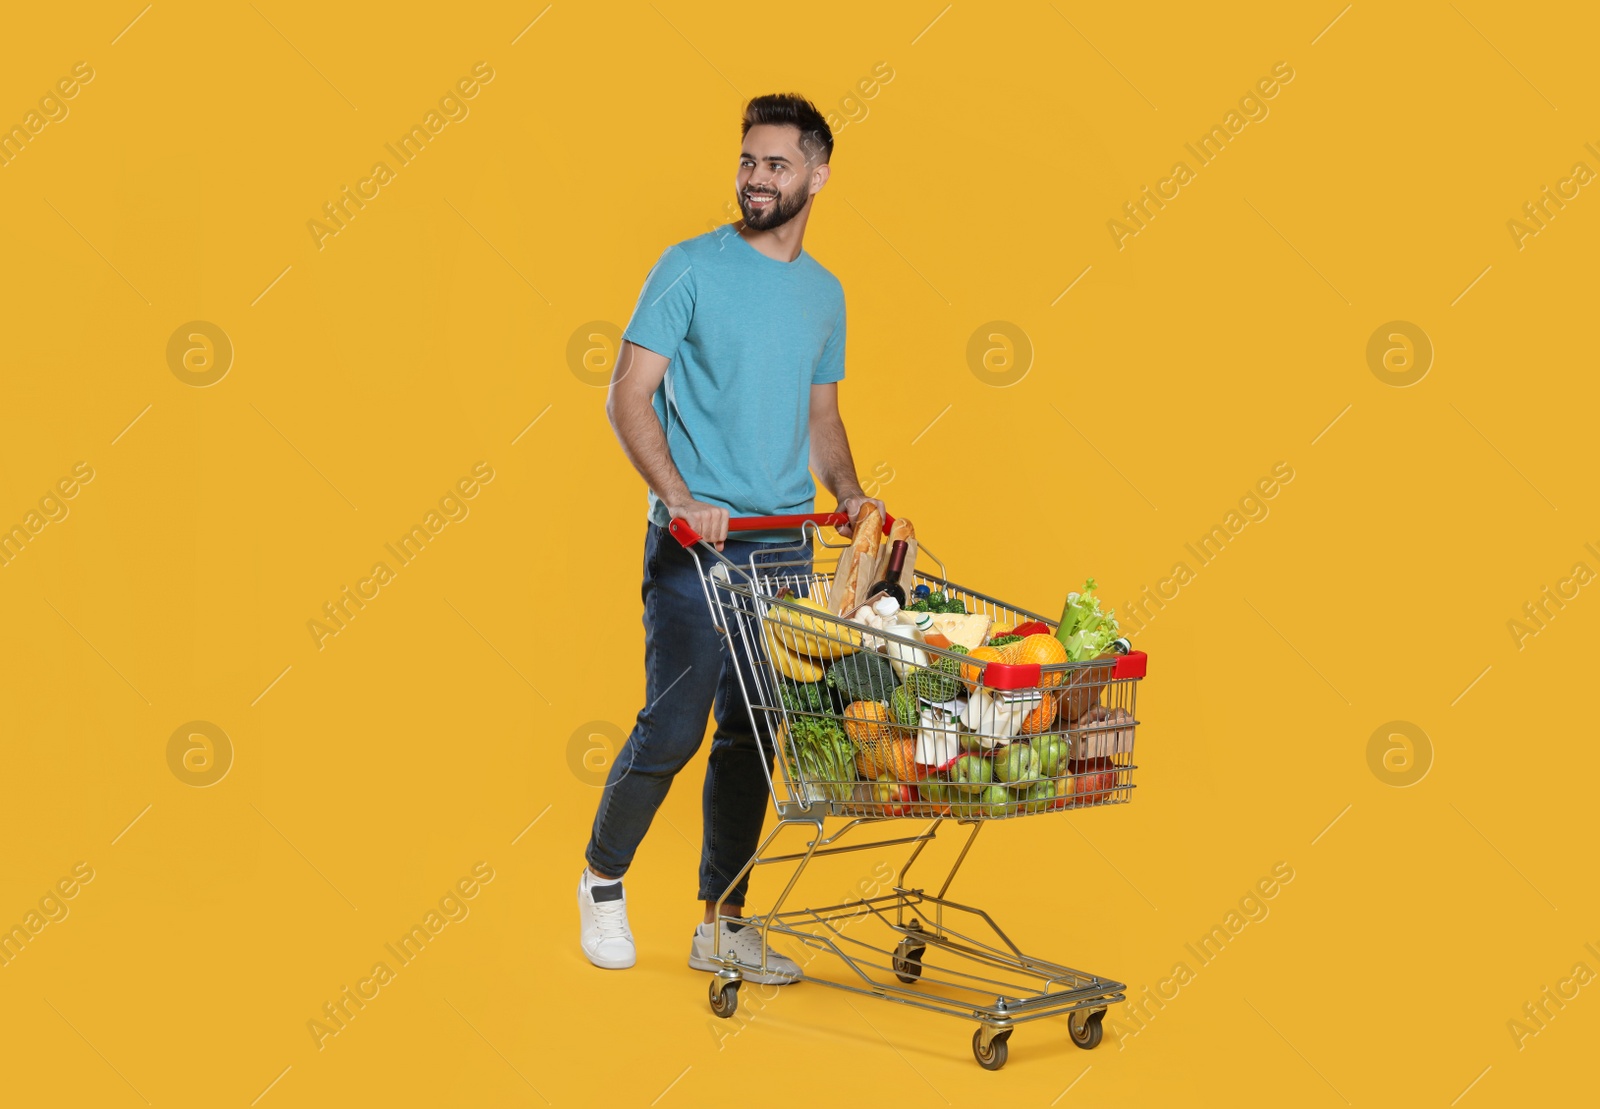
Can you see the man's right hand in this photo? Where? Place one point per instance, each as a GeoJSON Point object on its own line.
{"type": "Point", "coordinates": [708, 520]}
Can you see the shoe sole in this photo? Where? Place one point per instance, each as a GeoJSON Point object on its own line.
{"type": "Point", "coordinates": [749, 974]}
{"type": "Point", "coordinates": [610, 964]}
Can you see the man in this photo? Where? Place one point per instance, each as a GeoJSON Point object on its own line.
{"type": "Point", "coordinates": [725, 388]}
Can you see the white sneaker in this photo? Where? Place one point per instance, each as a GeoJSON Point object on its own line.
{"type": "Point", "coordinates": [604, 919]}
{"type": "Point", "coordinates": [744, 946]}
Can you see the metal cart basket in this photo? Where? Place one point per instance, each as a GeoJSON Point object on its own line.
{"type": "Point", "coordinates": [871, 726]}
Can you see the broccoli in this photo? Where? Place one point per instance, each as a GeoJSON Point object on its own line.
{"type": "Point", "coordinates": [863, 676]}
{"type": "Point", "coordinates": [936, 601]}
{"type": "Point", "coordinates": [805, 697]}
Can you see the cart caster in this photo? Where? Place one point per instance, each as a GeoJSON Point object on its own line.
{"type": "Point", "coordinates": [907, 961]}
{"type": "Point", "coordinates": [724, 997]}
{"type": "Point", "coordinates": [994, 1057]}
{"type": "Point", "coordinates": [1085, 1028]}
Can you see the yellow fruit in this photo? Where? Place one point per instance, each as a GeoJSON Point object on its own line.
{"type": "Point", "coordinates": [792, 666]}
{"type": "Point", "coordinates": [1046, 650]}
{"type": "Point", "coordinates": [868, 726]}
{"type": "Point", "coordinates": [970, 671]}
{"type": "Point", "coordinates": [818, 636]}
{"type": "Point", "coordinates": [883, 754]}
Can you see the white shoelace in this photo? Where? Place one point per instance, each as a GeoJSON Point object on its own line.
{"type": "Point", "coordinates": [611, 920]}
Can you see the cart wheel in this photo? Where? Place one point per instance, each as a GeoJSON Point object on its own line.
{"type": "Point", "coordinates": [1086, 1030]}
{"type": "Point", "coordinates": [907, 961]}
{"type": "Point", "coordinates": [995, 1057]}
{"type": "Point", "coordinates": [724, 997]}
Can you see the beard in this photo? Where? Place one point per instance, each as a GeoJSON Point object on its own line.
{"type": "Point", "coordinates": [776, 214]}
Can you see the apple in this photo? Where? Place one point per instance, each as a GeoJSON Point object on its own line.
{"type": "Point", "coordinates": [1017, 763]}
{"type": "Point", "coordinates": [971, 773]}
{"type": "Point", "coordinates": [1064, 789]}
{"type": "Point", "coordinates": [1038, 796]}
{"type": "Point", "coordinates": [894, 797]}
{"type": "Point", "coordinates": [1096, 779]}
{"type": "Point", "coordinates": [994, 801]}
{"type": "Point", "coordinates": [1053, 751]}
{"type": "Point", "coordinates": [938, 795]}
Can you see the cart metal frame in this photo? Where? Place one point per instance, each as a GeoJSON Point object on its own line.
{"type": "Point", "coordinates": [977, 972]}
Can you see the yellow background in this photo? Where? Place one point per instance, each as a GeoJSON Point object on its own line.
{"type": "Point", "coordinates": [974, 186]}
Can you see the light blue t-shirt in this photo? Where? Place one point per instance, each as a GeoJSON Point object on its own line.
{"type": "Point", "coordinates": [748, 336]}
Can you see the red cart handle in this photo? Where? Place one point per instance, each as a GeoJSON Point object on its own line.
{"type": "Point", "coordinates": [686, 535]}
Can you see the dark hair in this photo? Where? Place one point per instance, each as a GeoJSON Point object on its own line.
{"type": "Point", "coordinates": [788, 109]}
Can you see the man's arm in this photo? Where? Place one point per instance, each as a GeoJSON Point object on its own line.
{"type": "Point", "coordinates": [830, 454]}
{"type": "Point", "coordinates": [637, 375]}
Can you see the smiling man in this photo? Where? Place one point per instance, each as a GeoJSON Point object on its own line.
{"type": "Point", "coordinates": [725, 399]}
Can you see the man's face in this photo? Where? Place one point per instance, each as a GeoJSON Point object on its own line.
{"type": "Point", "coordinates": [775, 182]}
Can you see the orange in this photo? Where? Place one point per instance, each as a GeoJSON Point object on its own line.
{"type": "Point", "coordinates": [1046, 650]}
{"type": "Point", "coordinates": [1042, 716]}
{"type": "Point", "coordinates": [970, 671]}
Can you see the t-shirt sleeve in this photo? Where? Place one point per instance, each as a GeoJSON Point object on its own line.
{"type": "Point", "coordinates": [830, 367]}
{"type": "Point", "coordinates": [666, 305]}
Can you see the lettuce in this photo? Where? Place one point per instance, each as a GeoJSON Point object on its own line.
{"type": "Point", "coordinates": [1085, 631]}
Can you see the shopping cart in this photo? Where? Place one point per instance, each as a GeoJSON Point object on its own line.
{"type": "Point", "coordinates": [951, 736]}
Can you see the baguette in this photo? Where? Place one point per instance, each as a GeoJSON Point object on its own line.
{"type": "Point", "coordinates": [862, 554]}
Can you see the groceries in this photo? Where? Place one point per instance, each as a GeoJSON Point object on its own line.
{"type": "Point", "coordinates": [809, 632]}
{"type": "Point", "coordinates": [1084, 630]}
{"type": "Point", "coordinates": [934, 600]}
{"type": "Point", "coordinates": [971, 630]}
{"type": "Point", "coordinates": [821, 756]}
{"type": "Point", "coordinates": [795, 667]}
{"type": "Point", "coordinates": [864, 676]}
{"type": "Point", "coordinates": [863, 563]}
{"type": "Point", "coordinates": [910, 700]}
{"type": "Point", "coordinates": [890, 585]}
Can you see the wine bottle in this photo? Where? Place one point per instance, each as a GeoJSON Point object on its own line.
{"type": "Point", "coordinates": [891, 576]}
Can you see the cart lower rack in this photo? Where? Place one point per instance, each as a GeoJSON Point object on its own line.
{"type": "Point", "coordinates": [964, 735]}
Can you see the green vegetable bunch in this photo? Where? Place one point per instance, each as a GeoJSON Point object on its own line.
{"type": "Point", "coordinates": [1085, 631]}
{"type": "Point", "coordinates": [819, 753]}
{"type": "Point", "coordinates": [904, 708]}
{"type": "Point", "coordinates": [805, 697]}
{"type": "Point", "coordinates": [863, 676]}
{"type": "Point", "coordinates": [937, 602]}
{"type": "Point", "coordinates": [936, 682]}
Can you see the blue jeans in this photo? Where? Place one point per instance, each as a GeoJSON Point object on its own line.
{"type": "Point", "coordinates": [688, 673]}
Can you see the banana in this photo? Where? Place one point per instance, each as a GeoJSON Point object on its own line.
{"type": "Point", "coordinates": [786, 662]}
{"type": "Point", "coordinates": [818, 636]}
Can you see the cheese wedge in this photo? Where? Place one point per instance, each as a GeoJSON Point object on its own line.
{"type": "Point", "coordinates": [968, 629]}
